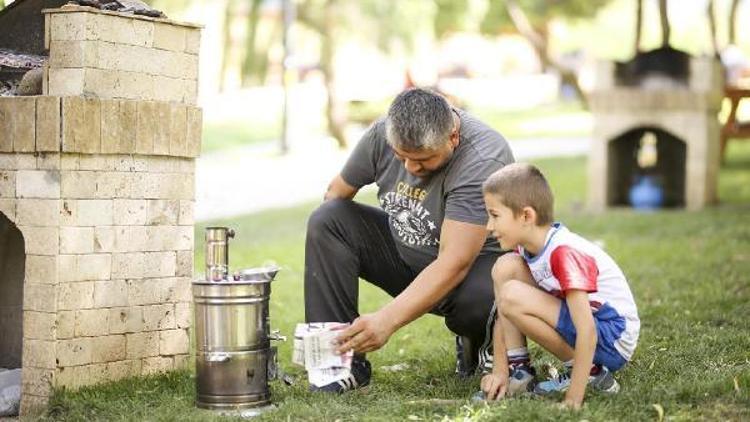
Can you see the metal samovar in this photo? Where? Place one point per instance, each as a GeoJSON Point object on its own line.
{"type": "Point", "coordinates": [234, 357]}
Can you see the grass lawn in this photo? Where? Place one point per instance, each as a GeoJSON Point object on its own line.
{"type": "Point", "coordinates": [688, 271]}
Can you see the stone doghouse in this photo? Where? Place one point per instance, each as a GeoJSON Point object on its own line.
{"type": "Point", "coordinates": [96, 203]}
{"type": "Point", "coordinates": [680, 111]}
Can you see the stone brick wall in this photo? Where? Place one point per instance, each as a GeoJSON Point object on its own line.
{"type": "Point", "coordinates": [94, 126]}
{"type": "Point", "coordinates": [108, 55]}
{"type": "Point", "coordinates": [98, 177]}
{"type": "Point", "coordinates": [108, 236]}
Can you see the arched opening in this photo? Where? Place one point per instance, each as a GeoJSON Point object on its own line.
{"type": "Point", "coordinates": [12, 271]}
{"type": "Point", "coordinates": [647, 151]}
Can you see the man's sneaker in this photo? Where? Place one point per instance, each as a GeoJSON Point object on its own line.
{"type": "Point", "coordinates": [521, 379]}
{"type": "Point", "coordinates": [600, 379]}
{"type": "Point", "coordinates": [486, 352]}
{"type": "Point", "coordinates": [472, 358]}
{"type": "Point", "coordinates": [466, 357]}
{"type": "Point", "coordinates": [359, 377]}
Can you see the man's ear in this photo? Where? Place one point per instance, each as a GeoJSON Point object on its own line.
{"type": "Point", "coordinates": [455, 138]}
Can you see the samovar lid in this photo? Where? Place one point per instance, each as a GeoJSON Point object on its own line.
{"type": "Point", "coordinates": [261, 274]}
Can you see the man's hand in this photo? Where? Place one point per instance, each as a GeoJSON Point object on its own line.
{"type": "Point", "coordinates": [367, 333]}
{"type": "Point", "coordinates": [494, 386]}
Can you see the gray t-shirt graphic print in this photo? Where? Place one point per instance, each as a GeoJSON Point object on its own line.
{"type": "Point", "coordinates": [417, 206]}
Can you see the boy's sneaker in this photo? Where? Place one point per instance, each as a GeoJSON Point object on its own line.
{"type": "Point", "coordinates": [359, 377]}
{"type": "Point", "coordinates": [521, 379]}
{"type": "Point", "coordinates": [600, 379]}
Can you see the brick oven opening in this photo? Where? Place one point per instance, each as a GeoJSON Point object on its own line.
{"type": "Point", "coordinates": [665, 158]}
{"type": "Point", "coordinates": [12, 270]}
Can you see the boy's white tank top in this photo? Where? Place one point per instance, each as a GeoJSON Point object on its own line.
{"type": "Point", "coordinates": [568, 261]}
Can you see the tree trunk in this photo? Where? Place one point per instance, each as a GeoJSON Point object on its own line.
{"type": "Point", "coordinates": [227, 43]}
{"type": "Point", "coordinates": [665, 28]}
{"type": "Point", "coordinates": [334, 113]}
{"type": "Point", "coordinates": [712, 27]}
{"type": "Point", "coordinates": [250, 66]}
{"type": "Point", "coordinates": [733, 22]}
{"type": "Point", "coordinates": [540, 43]}
{"type": "Point", "coordinates": [638, 26]}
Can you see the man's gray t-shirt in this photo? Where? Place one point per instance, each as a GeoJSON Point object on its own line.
{"type": "Point", "coordinates": [417, 206]}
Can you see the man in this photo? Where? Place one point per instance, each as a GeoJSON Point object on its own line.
{"type": "Point", "coordinates": [428, 247]}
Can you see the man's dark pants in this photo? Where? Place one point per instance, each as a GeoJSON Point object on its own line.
{"type": "Point", "coordinates": [347, 240]}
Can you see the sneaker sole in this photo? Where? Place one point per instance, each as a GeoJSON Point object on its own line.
{"type": "Point", "coordinates": [613, 389]}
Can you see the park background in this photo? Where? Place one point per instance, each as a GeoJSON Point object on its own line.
{"type": "Point", "coordinates": [346, 61]}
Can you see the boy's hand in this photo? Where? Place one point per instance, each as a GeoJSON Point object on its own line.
{"type": "Point", "coordinates": [494, 386]}
{"type": "Point", "coordinates": [571, 403]}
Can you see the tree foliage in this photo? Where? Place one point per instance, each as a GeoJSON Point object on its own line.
{"type": "Point", "coordinates": [450, 16]}
{"type": "Point", "coordinates": [539, 12]}
{"type": "Point", "coordinates": [531, 19]}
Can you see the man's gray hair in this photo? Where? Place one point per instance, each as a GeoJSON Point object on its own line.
{"type": "Point", "coordinates": [418, 119]}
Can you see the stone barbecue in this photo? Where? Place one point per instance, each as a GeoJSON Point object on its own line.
{"type": "Point", "coordinates": [681, 114]}
{"type": "Point", "coordinates": [96, 203]}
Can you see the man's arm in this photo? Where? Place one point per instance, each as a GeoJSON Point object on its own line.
{"type": "Point", "coordinates": [339, 189]}
{"type": "Point", "coordinates": [583, 320]}
{"type": "Point", "coordinates": [460, 244]}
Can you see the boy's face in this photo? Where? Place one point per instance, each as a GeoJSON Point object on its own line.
{"type": "Point", "coordinates": [506, 227]}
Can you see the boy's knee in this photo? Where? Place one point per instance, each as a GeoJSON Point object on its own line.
{"type": "Point", "coordinates": [507, 267]}
{"type": "Point", "coordinates": [511, 293]}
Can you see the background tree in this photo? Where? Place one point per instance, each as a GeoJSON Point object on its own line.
{"type": "Point", "coordinates": [638, 25]}
{"type": "Point", "coordinates": [255, 61]}
{"type": "Point", "coordinates": [712, 26]}
{"type": "Point", "coordinates": [532, 19]}
{"type": "Point", "coordinates": [450, 16]}
{"type": "Point", "coordinates": [321, 17]}
{"type": "Point", "coordinates": [666, 29]}
{"type": "Point", "coordinates": [733, 21]}
{"type": "Point", "coordinates": [226, 31]}
{"type": "Point", "coordinates": [384, 24]}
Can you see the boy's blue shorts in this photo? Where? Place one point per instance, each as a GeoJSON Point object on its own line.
{"type": "Point", "coordinates": [609, 328]}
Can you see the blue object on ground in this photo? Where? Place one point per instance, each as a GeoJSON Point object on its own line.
{"type": "Point", "coordinates": [646, 194]}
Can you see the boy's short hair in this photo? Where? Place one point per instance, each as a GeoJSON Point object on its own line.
{"type": "Point", "coordinates": [520, 185]}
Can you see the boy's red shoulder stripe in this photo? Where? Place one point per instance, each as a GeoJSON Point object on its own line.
{"type": "Point", "coordinates": [574, 269]}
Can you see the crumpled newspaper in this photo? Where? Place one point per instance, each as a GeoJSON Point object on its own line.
{"type": "Point", "coordinates": [10, 392]}
{"type": "Point", "coordinates": [314, 348]}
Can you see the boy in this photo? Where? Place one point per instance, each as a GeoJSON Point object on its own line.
{"type": "Point", "coordinates": [559, 289]}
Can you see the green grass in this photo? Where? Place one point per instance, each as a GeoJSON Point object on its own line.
{"type": "Point", "coordinates": [688, 271]}
{"type": "Point", "coordinates": [556, 120]}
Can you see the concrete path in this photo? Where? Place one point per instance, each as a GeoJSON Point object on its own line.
{"type": "Point", "coordinates": [255, 178]}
